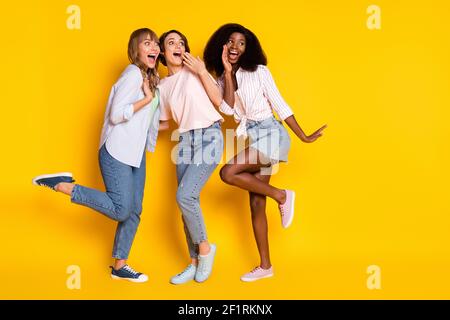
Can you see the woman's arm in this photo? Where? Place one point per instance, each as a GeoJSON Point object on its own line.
{"type": "Point", "coordinates": [148, 96]}
{"type": "Point", "coordinates": [224, 107]}
{"type": "Point", "coordinates": [228, 81]}
{"type": "Point", "coordinates": [293, 124]}
{"type": "Point", "coordinates": [282, 108]}
{"type": "Point", "coordinates": [128, 88]}
{"type": "Point", "coordinates": [197, 66]}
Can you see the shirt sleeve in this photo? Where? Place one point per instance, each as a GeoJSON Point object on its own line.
{"type": "Point", "coordinates": [273, 95]}
{"type": "Point", "coordinates": [224, 107]}
{"type": "Point", "coordinates": [126, 94]}
{"type": "Point", "coordinates": [163, 105]}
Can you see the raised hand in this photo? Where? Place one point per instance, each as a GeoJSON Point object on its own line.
{"type": "Point", "coordinates": [226, 64]}
{"type": "Point", "coordinates": [146, 88]}
{"type": "Point", "coordinates": [196, 65]}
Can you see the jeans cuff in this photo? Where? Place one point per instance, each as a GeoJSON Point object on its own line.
{"type": "Point", "coordinates": [75, 194]}
{"type": "Point", "coordinates": [203, 237]}
{"type": "Point", "coordinates": [119, 257]}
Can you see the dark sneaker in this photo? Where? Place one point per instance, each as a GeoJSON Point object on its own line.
{"type": "Point", "coordinates": [128, 273]}
{"type": "Point", "coordinates": [51, 180]}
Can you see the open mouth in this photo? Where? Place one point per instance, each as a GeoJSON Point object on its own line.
{"type": "Point", "coordinates": [177, 54]}
{"type": "Point", "coordinates": [152, 57]}
{"type": "Point", "coordinates": [233, 54]}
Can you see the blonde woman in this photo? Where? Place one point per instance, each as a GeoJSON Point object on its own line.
{"type": "Point", "coordinates": [130, 126]}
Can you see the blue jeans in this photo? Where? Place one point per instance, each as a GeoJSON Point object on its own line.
{"type": "Point", "coordinates": [199, 153]}
{"type": "Point", "coordinates": [122, 200]}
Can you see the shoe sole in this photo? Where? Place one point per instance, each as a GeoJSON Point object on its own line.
{"type": "Point", "coordinates": [128, 279]}
{"type": "Point", "coordinates": [255, 279]}
{"type": "Point", "coordinates": [201, 281]}
{"type": "Point", "coordinates": [292, 215]}
{"type": "Point", "coordinates": [182, 282]}
{"type": "Point", "coordinates": [44, 176]}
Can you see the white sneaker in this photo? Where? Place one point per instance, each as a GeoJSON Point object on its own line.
{"type": "Point", "coordinates": [185, 276]}
{"type": "Point", "coordinates": [205, 264]}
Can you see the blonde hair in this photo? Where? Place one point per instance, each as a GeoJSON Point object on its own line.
{"type": "Point", "coordinates": [136, 38]}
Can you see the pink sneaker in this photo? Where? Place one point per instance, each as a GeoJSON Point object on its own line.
{"type": "Point", "coordinates": [257, 273]}
{"type": "Point", "coordinates": [287, 209]}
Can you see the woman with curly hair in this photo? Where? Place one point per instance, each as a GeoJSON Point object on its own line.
{"type": "Point", "coordinates": [235, 55]}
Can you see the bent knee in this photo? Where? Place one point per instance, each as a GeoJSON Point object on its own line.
{"type": "Point", "coordinates": [257, 202]}
{"type": "Point", "coordinates": [227, 174]}
{"type": "Point", "coordinates": [123, 213]}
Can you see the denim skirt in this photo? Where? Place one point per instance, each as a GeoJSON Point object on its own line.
{"type": "Point", "coordinates": [270, 138]}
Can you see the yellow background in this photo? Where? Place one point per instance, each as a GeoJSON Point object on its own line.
{"type": "Point", "coordinates": [372, 191]}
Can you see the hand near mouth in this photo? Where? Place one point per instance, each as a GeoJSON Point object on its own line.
{"type": "Point", "coordinates": [196, 65]}
{"type": "Point", "coordinates": [226, 64]}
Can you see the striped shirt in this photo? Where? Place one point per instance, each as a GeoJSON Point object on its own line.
{"type": "Point", "coordinates": [255, 99]}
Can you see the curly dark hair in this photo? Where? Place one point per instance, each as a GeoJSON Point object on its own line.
{"type": "Point", "coordinates": [250, 59]}
{"type": "Point", "coordinates": [161, 43]}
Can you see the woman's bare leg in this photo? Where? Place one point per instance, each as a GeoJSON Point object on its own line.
{"type": "Point", "coordinates": [240, 173]}
{"type": "Point", "coordinates": [259, 222]}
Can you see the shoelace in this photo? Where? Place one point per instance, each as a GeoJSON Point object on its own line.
{"type": "Point", "coordinates": [130, 269]}
{"type": "Point", "coordinates": [282, 210]}
{"type": "Point", "coordinates": [44, 185]}
{"type": "Point", "coordinates": [254, 270]}
{"type": "Point", "coordinates": [185, 270]}
{"type": "Point", "coordinates": [202, 266]}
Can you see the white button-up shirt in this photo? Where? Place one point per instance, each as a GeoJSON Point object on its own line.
{"type": "Point", "coordinates": [126, 133]}
{"type": "Point", "coordinates": [255, 99]}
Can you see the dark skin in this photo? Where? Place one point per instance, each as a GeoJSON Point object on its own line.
{"type": "Point", "coordinates": [243, 171]}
